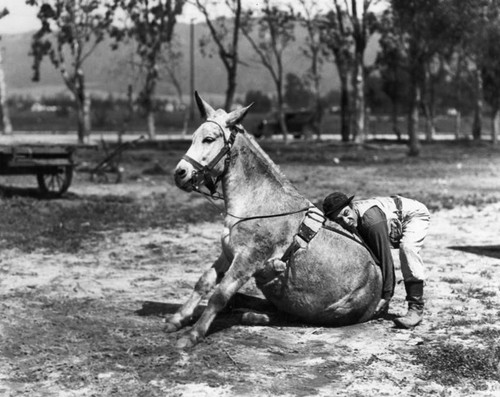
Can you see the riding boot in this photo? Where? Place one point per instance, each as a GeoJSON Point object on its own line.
{"type": "Point", "coordinates": [415, 298]}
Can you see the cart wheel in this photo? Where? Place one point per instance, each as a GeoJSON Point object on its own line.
{"type": "Point", "coordinates": [55, 184]}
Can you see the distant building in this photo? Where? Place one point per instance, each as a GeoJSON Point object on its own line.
{"type": "Point", "coordinates": [38, 107]}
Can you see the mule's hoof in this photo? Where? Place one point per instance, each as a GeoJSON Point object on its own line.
{"type": "Point", "coordinates": [185, 343]}
{"type": "Point", "coordinates": [382, 308]}
{"type": "Point", "coordinates": [171, 327]}
{"type": "Point", "coordinates": [277, 265]}
{"type": "Point", "coordinates": [251, 318]}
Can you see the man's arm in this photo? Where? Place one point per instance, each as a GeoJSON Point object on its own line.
{"type": "Point", "coordinates": [373, 230]}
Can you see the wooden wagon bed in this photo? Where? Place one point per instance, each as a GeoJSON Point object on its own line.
{"type": "Point", "coordinates": [52, 164]}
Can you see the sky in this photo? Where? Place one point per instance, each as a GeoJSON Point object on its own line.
{"type": "Point", "coordinates": [22, 18]}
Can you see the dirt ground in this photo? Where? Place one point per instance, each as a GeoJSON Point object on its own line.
{"type": "Point", "coordinates": [71, 320]}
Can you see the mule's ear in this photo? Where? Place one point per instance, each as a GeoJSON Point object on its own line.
{"type": "Point", "coordinates": [206, 110]}
{"type": "Point", "coordinates": [236, 116]}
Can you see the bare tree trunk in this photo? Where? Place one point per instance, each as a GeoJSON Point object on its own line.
{"type": "Point", "coordinates": [83, 118]}
{"type": "Point", "coordinates": [458, 124]}
{"type": "Point", "coordinates": [231, 89]}
{"type": "Point", "coordinates": [345, 109]}
{"type": "Point", "coordinates": [80, 123]}
{"type": "Point", "coordinates": [395, 121]}
{"type": "Point", "coordinates": [151, 124]}
{"type": "Point", "coordinates": [318, 106]}
{"type": "Point", "coordinates": [478, 108]}
{"type": "Point", "coordinates": [82, 106]}
{"type": "Point", "coordinates": [414, 144]}
{"type": "Point", "coordinates": [358, 132]}
{"type": "Point", "coordinates": [86, 115]}
{"type": "Point", "coordinates": [4, 109]}
{"type": "Point", "coordinates": [430, 129]}
{"type": "Point", "coordinates": [495, 125]}
{"type": "Point", "coordinates": [281, 112]}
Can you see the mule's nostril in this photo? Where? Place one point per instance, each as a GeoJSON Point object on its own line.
{"type": "Point", "coordinates": [180, 172]}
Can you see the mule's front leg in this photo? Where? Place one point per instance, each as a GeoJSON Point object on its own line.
{"type": "Point", "coordinates": [204, 285]}
{"type": "Point", "coordinates": [233, 280]}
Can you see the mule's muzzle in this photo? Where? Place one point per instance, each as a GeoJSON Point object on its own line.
{"type": "Point", "coordinates": [183, 174]}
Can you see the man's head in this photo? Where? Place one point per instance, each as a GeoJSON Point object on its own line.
{"type": "Point", "coordinates": [336, 207]}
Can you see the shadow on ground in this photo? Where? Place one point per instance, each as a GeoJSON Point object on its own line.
{"type": "Point", "coordinates": [492, 251]}
{"type": "Point", "coordinates": [232, 314]}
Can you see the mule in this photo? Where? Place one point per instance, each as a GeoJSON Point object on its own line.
{"type": "Point", "coordinates": [332, 281]}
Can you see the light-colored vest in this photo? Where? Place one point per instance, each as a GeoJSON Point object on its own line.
{"type": "Point", "coordinates": [395, 222]}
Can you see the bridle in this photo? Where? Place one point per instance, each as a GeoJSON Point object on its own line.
{"type": "Point", "coordinates": [202, 175]}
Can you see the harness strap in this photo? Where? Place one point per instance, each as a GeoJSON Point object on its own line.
{"type": "Point", "coordinates": [358, 240]}
{"type": "Point", "coordinates": [308, 228]}
{"type": "Point", "coordinates": [399, 206]}
{"type": "Point", "coordinates": [193, 162]}
{"type": "Point", "coordinates": [202, 174]}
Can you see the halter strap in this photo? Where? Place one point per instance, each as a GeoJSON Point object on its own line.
{"type": "Point", "coordinates": [202, 172]}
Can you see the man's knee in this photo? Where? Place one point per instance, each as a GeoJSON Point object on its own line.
{"type": "Point", "coordinates": [412, 265]}
{"type": "Point", "coordinates": [409, 248]}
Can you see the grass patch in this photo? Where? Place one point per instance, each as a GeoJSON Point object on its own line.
{"type": "Point", "coordinates": [479, 293]}
{"type": "Point", "coordinates": [488, 333]}
{"type": "Point", "coordinates": [452, 280]}
{"type": "Point", "coordinates": [67, 226]}
{"type": "Point", "coordinates": [452, 364]}
{"type": "Point", "coordinates": [465, 322]}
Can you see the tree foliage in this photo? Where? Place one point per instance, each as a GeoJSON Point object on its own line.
{"type": "Point", "coordinates": [275, 32]}
{"type": "Point", "coordinates": [225, 34]}
{"type": "Point", "coordinates": [297, 94]}
{"type": "Point", "coordinates": [70, 32]}
{"type": "Point", "coordinates": [150, 24]}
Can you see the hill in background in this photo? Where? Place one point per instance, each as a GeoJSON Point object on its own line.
{"type": "Point", "coordinates": [103, 75]}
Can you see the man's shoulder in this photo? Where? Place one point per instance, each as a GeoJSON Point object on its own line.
{"type": "Point", "coordinates": [373, 216]}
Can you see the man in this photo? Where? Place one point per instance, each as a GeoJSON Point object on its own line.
{"type": "Point", "coordinates": [385, 222]}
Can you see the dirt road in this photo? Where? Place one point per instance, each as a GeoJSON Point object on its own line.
{"type": "Point", "coordinates": [70, 326]}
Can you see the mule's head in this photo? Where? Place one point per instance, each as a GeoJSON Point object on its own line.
{"type": "Point", "coordinates": [204, 162]}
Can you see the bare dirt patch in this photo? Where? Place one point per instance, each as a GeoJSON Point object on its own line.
{"type": "Point", "coordinates": [74, 273]}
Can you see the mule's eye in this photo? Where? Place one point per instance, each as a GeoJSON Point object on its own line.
{"type": "Point", "coordinates": [208, 139]}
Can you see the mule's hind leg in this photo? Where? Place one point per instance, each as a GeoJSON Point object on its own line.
{"type": "Point", "coordinates": [204, 285]}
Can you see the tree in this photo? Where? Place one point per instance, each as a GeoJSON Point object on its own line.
{"type": "Point", "coordinates": [275, 33]}
{"type": "Point", "coordinates": [151, 26]}
{"type": "Point", "coordinates": [490, 67]}
{"type": "Point", "coordinates": [363, 24]}
{"type": "Point", "coordinates": [172, 64]}
{"type": "Point", "coordinates": [390, 62]}
{"type": "Point", "coordinates": [71, 30]}
{"type": "Point", "coordinates": [476, 17]}
{"type": "Point", "coordinates": [225, 32]}
{"type": "Point", "coordinates": [297, 94]}
{"type": "Point", "coordinates": [314, 49]}
{"type": "Point", "coordinates": [261, 102]}
{"type": "Point", "coordinates": [421, 28]}
{"type": "Point", "coordinates": [336, 35]}
{"type": "Point", "coordinates": [4, 108]}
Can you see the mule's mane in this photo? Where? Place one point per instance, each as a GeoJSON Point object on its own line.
{"type": "Point", "coordinates": [268, 163]}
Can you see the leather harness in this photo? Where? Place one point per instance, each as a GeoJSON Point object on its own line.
{"type": "Point", "coordinates": [313, 221]}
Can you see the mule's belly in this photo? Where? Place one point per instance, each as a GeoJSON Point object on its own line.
{"type": "Point", "coordinates": [327, 289]}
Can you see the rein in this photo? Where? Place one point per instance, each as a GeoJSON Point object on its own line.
{"type": "Point", "coordinates": [250, 218]}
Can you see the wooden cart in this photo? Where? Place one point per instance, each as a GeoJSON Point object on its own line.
{"type": "Point", "coordinates": [52, 165]}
